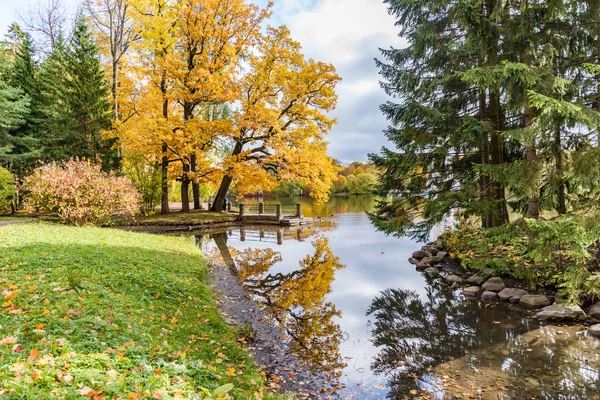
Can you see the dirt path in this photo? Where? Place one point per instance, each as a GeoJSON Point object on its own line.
{"type": "Point", "coordinates": [16, 221]}
{"type": "Point", "coordinates": [269, 347]}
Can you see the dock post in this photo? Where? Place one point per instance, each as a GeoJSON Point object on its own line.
{"type": "Point", "coordinates": [278, 212]}
{"type": "Point", "coordinates": [261, 208]}
{"type": "Point", "coordinates": [299, 210]}
{"type": "Point", "coordinates": [241, 209]}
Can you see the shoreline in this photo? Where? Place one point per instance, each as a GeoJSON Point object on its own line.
{"type": "Point", "coordinates": [285, 371]}
{"type": "Point", "coordinates": [489, 286]}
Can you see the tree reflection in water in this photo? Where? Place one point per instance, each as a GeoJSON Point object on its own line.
{"type": "Point", "coordinates": [296, 300]}
{"type": "Point", "coordinates": [449, 348]}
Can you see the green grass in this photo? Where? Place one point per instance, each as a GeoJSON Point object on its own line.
{"type": "Point", "coordinates": [179, 218]}
{"type": "Point", "coordinates": [116, 314]}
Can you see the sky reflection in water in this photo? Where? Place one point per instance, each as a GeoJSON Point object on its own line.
{"type": "Point", "coordinates": [419, 337]}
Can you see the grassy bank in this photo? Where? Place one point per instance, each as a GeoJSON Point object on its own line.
{"type": "Point", "coordinates": [100, 312]}
{"type": "Point", "coordinates": [178, 218]}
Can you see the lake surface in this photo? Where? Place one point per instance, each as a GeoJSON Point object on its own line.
{"type": "Point", "coordinates": [353, 306]}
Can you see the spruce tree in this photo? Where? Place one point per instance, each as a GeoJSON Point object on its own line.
{"type": "Point", "coordinates": [87, 101]}
{"type": "Point", "coordinates": [14, 106]}
{"type": "Point", "coordinates": [22, 141]}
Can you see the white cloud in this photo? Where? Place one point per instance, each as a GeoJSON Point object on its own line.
{"type": "Point", "coordinates": [348, 34]}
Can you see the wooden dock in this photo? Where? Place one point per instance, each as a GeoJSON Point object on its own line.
{"type": "Point", "coordinates": [276, 214]}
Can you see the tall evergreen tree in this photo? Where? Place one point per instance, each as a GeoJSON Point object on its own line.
{"type": "Point", "coordinates": [492, 99]}
{"type": "Point", "coordinates": [22, 142]}
{"type": "Point", "coordinates": [87, 104]}
{"type": "Point", "coordinates": [14, 106]}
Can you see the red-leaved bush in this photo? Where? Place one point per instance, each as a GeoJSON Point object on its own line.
{"type": "Point", "coordinates": [81, 193]}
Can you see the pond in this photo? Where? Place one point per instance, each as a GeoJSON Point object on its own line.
{"type": "Point", "coordinates": [354, 307]}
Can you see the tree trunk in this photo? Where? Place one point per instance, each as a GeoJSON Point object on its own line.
{"type": "Point", "coordinates": [114, 87]}
{"type": "Point", "coordinates": [498, 214]}
{"type": "Point", "coordinates": [185, 189]}
{"type": "Point", "coordinates": [533, 202]}
{"type": "Point", "coordinates": [225, 183]}
{"type": "Point", "coordinates": [164, 208]}
{"type": "Point", "coordinates": [561, 206]}
{"type": "Point", "coordinates": [484, 179]}
{"type": "Point", "coordinates": [195, 184]}
{"type": "Point", "coordinates": [497, 155]}
{"type": "Point", "coordinates": [598, 52]}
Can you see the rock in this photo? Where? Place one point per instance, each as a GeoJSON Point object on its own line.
{"type": "Point", "coordinates": [594, 330]}
{"type": "Point", "coordinates": [512, 294]}
{"type": "Point", "coordinates": [493, 285]}
{"type": "Point", "coordinates": [421, 266]}
{"type": "Point", "coordinates": [437, 259]}
{"type": "Point", "coordinates": [558, 300]}
{"type": "Point", "coordinates": [420, 254]}
{"type": "Point", "coordinates": [428, 260]}
{"type": "Point", "coordinates": [560, 312]}
{"type": "Point", "coordinates": [454, 279]}
{"type": "Point", "coordinates": [594, 311]}
{"type": "Point", "coordinates": [477, 279]}
{"type": "Point", "coordinates": [533, 301]}
{"type": "Point", "coordinates": [430, 249]}
{"type": "Point", "coordinates": [455, 285]}
{"type": "Point", "coordinates": [431, 271]}
{"type": "Point", "coordinates": [441, 254]}
{"type": "Point", "coordinates": [413, 261]}
{"type": "Point", "coordinates": [489, 296]}
{"type": "Point", "coordinates": [472, 291]}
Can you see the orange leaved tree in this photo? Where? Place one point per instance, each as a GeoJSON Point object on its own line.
{"type": "Point", "coordinates": [281, 122]}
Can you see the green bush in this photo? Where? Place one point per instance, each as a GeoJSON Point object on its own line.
{"type": "Point", "coordinates": [559, 253]}
{"type": "Point", "coordinates": [7, 190]}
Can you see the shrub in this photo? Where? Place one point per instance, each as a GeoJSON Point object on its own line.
{"type": "Point", "coordinates": [7, 190]}
{"type": "Point", "coordinates": [81, 193]}
{"type": "Point", "coordinates": [146, 177]}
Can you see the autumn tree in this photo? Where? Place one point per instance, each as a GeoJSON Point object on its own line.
{"type": "Point", "coordinates": [282, 121]}
{"type": "Point", "coordinates": [211, 37]}
{"type": "Point", "coordinates": [188, 56]}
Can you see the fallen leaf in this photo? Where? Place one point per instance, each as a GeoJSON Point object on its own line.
{"type": "Point", "coordinates": [9, 340]}
{"type": "Point", "coordinates": [33, 354]}
{"type": "Point", "coordinates": [87, 391]}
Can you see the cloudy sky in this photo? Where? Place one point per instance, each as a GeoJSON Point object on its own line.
{"type": "Point", "coordinates": [346, 33]}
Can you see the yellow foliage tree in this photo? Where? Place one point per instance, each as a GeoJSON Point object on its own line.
{"type": "Point", "coordinates": [186, 60]}
{"type": "Point", "coordinates": [281, 122]}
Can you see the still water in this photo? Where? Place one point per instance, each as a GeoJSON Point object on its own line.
{"type": "Point", "coordinates": [353, 306]}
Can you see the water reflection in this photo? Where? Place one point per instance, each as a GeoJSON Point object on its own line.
{"type": "Point", "coordinates": [442, 346]}
{"type": "Point", "coordinates": [420, 336]}
{"type": "Point", "coordinates": [295, 300]}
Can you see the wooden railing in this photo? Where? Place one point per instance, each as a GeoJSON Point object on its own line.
{"type": "Point", "coordinates": [278, 210]}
